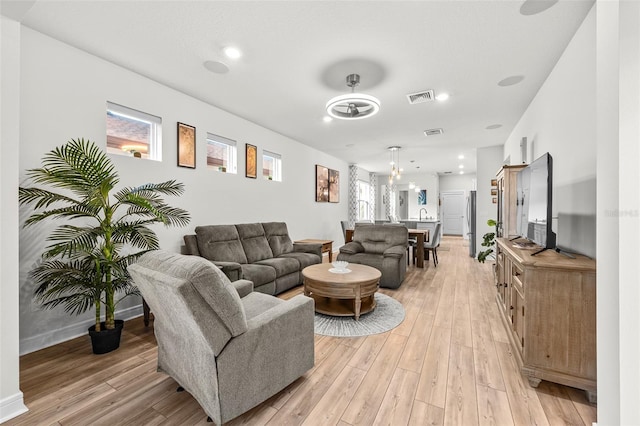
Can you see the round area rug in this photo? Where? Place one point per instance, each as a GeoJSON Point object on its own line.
{"type": "Point", "coordinates": [387, 315]}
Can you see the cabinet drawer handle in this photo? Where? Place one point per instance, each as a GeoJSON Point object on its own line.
{"type": "Point", "coordinates": [516, 273]}
{"type": "Point", "coordinates": [511, 307]}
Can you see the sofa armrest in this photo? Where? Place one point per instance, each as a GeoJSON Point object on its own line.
{"type": "Point", "coordinates": [191, 244]}
{"type": "Point", "coordinates": [352, 247]}
{"type": "Point", "coordinates": [277, 348]}
{"type": "Point", "coordinates": [308, 248]}
{"type": "Point", "coordinates": [395, 251]}
{"type": "Point", "coordinates": [243, 287]}
{"type": "Point", "coordinates": [232, 270]}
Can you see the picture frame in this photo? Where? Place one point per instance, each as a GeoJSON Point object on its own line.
{"type": "Point", "coordinates": [186, 146]}
{"type": "Point", "coordinates": [494, 191]}
{"type": "Point", "coordinates": [322, 184]}
{"type": "Point", "coordinates": [251, 155]}
{"type": "Point", "coordinates": [334, 186]}
{"type": "Point", "coordinates": [422, 197]}
{"type": "Point", "coordinates": [494, 182]}
{"type": "Point", "coordinates": [494, 200]}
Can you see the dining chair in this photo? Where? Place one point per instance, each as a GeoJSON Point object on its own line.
{"type": "Point", "coordinates": [345, 226]}
{"type": "Point", "coordinates": [433, 244]}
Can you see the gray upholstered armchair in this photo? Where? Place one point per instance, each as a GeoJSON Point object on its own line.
{"type": "Point", "coordinates": [382, 247]}
{"type": "Point", "coordinates": [230, 352]}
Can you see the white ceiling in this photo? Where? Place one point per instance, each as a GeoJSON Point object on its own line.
{"type": "Point", "coordinates": [296, 55]}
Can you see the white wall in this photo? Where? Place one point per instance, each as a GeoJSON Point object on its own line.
{"type": "Point", "coordinates": [561, 120]}
{"type": "Point", "coordinates": [11, 399]}
{"type": "Point", "coordinates": [618, 230]}
{"type": "Point", "coordinates": [67, 98]}
{"type": "Point", "coordinates": [489, 161]}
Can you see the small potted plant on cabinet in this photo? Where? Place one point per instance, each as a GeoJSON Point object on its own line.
{"type": "Point", "coordinates": [102, 233]}
{"type": "Point", "coordinates": [488, 240]}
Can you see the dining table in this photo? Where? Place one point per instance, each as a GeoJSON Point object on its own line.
{"type": "Point", "coordinates": [421, 236]}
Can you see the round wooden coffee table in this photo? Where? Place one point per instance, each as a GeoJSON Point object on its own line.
{"type": "Point", "coordinates": [342, 294]}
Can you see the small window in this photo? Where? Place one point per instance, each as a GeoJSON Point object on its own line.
{"type": "Point", "coordinates": [222, 154]}
{"type": "Point", "coordinates": [271, 166]}
{"type": "Point", "coordinates": [133, 133]}
{"type": "Point", "coordinates": [363, 200]}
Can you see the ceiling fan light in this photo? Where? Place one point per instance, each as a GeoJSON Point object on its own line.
{"type": "Point", "coordinates": [353, 106]}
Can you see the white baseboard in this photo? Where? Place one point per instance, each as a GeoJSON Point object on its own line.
{"type": "Point", "coordinates": [11, 407]}
{"type": "Point", "coordinates": [44, 340]}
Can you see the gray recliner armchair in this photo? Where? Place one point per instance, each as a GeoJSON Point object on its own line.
{"type": "Point", "coordinates": [229, 347]}
{"type": "Point", "coordinates": [382, 247]}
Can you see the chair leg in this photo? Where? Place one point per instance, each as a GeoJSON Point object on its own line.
{"type": "Point", "coordinates": [435, 257]}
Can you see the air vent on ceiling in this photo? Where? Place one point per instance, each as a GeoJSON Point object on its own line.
{"type": "Point", "coordinates": [447, 173]}
{"type": "Point", "coordinates": [433, 132]}
{"type": "Point", "coordinates": [420, 97]}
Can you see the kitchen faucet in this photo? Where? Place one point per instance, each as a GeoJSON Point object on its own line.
{"type": "Point", "coordinates": [425, 213]}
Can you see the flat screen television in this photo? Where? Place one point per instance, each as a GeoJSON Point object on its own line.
{"type": "Point", "coordinates": [534, 194]}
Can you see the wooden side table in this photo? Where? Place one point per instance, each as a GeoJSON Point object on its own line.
{"type": "Point", "coordinates": [327, 245]}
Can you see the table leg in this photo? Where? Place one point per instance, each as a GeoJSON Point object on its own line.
{"type": "Point", "coordinates": [357, 305]}
{"type": "Point", "coordinates": [420, 254]}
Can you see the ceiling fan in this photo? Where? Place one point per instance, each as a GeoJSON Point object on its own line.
{"type": "Point", "coordinates": [353, 106]}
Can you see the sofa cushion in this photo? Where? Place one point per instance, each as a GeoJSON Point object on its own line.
{"type": "Point", "coordinates": [258, 274]}
{"type": "Point", "coordinates": [282, 265]}
{"type": "Point", "coordinates": [304, 259]}
{"type": "Point", "coordinates": [254, 242]}
{"type": "Point", "coordinates": [214, 287]}
{"type": "Point", "coordinates": [220, 242]}
{"type": "Point", "coordinates": [278, 237]}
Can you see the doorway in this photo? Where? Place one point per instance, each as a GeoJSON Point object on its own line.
{"type": "Point", "coordinates": [452, 212]}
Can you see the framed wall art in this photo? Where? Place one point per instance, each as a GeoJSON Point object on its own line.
{"type": "Point", "coordinates": [322, 184]}
{"type": "Point", "coordinates": [186, 146]}
{"type": "Point", "coordinates": [494, 191]}
{"type": "Point", "coordinates": [334, 186]}
{"type": "Point", "coordinates": [422, 197]}
{"type": "Point", "coordinates": [252, 161]}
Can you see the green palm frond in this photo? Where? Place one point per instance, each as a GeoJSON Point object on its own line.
{"type": "Point", "coordinates": [72, 241]}
{"type": "Point", "coordinates": [170, 187]}
{"type": "Point", "coordinates": [71, 284]}
{"type": "Point", "coordinates": [42, 197]}
{"type": "Point", "coordinates": [137, 234]}
{"type": "Point", "coordinates": [70, 212]}
{"type": "Point", "coordinates": [79, 165]}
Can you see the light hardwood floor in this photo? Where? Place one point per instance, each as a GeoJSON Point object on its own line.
{"type": "Point", "coordinates": [448, 363]}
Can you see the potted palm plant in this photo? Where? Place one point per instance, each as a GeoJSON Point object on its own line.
{"type": "Point", "coordinates": [101, 233]}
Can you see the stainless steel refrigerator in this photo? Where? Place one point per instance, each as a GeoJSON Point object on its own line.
{"type": "Point", "coordinates": [471, 222]}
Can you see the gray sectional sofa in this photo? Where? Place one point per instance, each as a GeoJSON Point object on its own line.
{"type": "Point", "coordinates": [259, 252]}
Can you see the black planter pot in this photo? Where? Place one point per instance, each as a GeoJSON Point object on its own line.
{"type": "Point", "coordinates": [105, 341]}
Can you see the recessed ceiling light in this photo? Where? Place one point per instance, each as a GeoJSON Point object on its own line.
{"type": "Point", "coordinates": [461, 172]}
{"type": "Point", "coordinates": [327, 119]}
{"type": "Point", "coordinates": [510, 81]}
{"type": "Point", "coordinates": [460, 157]}
{"type": "Point", "coordinates": [461, 166]}
{"type": "Point", "coordinates": [442, 96]}
{"type": "Point", "coordinates": [493, 126]}
{"type": "Point", "coordinates": [217, 67]}
{"type": "Point", "coordinates": [232, 52]}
